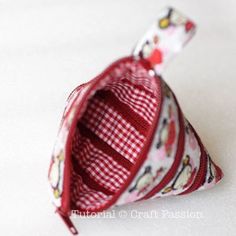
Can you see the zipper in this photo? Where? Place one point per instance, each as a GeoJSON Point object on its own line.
{"type": "Point", "coordinates": [65, 208]}
{"type": "Point", "coordinates": [170, 174]}
{"type": "Point", "coordinates": [66, 219]}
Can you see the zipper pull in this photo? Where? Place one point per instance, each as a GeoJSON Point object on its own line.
{"type": "Point", "coordinates": [68, 222]}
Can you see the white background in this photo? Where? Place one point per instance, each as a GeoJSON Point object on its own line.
{"type": "Point", "coordinates": [49, 47]}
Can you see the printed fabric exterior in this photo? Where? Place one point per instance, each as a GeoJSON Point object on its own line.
{"type": "Point", "coordinates": [123, 136]}
{"type": "Point", "coordinates": [189, 168]}
{"type": "Point", "coordinates": [165, 38]}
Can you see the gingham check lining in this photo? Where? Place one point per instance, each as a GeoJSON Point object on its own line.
{"type": "Point", "coordinates": [101, 167]}
{"type": "Point", "coordinates": [111, 126]}
{"type": "Point", "coordinates": [84, 197]}
{"type": "Point", "coordinates": [137, 75]}
{"type": "Point", "coordinates": [141, 102]}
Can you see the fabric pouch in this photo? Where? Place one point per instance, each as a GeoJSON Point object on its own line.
{"type": "Point", "coordinates": [123, 136]}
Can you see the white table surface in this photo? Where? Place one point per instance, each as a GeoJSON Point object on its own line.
{"type": "Point", "coordinates": [49, 47]}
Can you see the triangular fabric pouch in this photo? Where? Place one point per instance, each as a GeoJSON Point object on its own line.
{"type": "Point", "coordinates": [123, 136]}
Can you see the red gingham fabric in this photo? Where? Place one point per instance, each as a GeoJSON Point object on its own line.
{"type": "Point", "coordinates": [136, 74]}
{"type": "Point", "coordinates": [141, 102]}
{"type": "Point", "coordinates": [84, 197]}
{"type": "Point", "coordinates": [140, 77]}
{"type": "Point", "coordinates": [112, 128]}
{"type": "Point", "coordinates": [101, 167]}
{"type": "Point", "coordinates": [109, 124]}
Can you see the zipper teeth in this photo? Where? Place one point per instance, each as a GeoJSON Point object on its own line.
{"type": "Point", "coordinates": [65, 206]}
{"type": "Point", "coordinates": [143, 156]}
{"type": "Point", "coordinates": [172, 171]}
{"type": "Point", "coordinates": [94, 82]}
{"type": "Point", "coordinates": [202, 168]}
